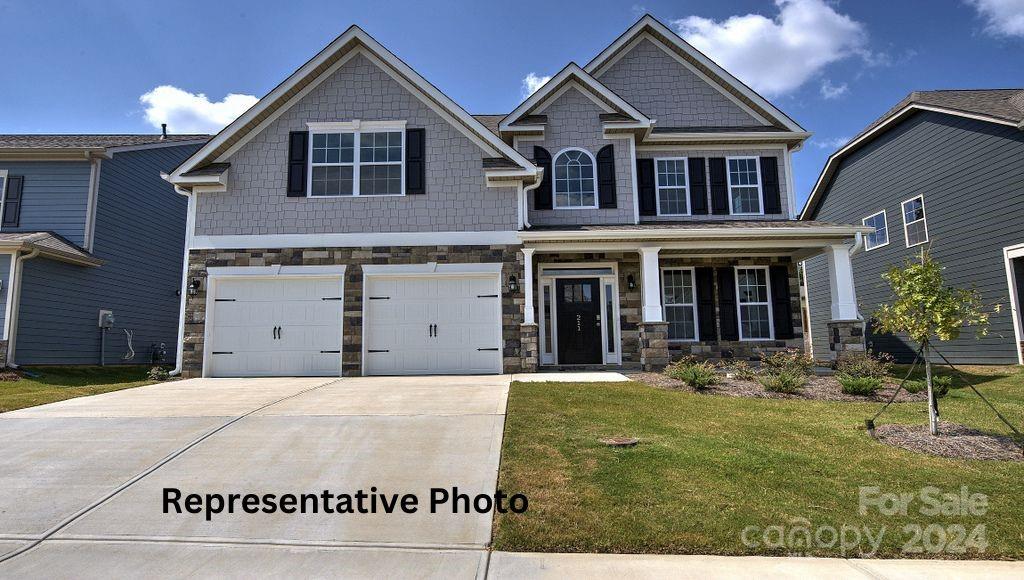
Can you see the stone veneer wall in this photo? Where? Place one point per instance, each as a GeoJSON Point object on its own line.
{"type": "Point", "coordinates": [845, 336]}
{"type": "Point", "coordinates": [737, 349]}
{"type": "Point", "coordinates": [354, 258]}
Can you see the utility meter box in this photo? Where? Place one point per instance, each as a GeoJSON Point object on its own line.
{"type": "Point", "coordinates": [106, 318]}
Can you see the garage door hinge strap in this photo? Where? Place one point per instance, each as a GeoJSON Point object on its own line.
{"type": "Point", "coordinates": [486, 295]}
{"type": "Point", "coordinates": [372, 350]}
{"type": "Point", "coordinates": [330, 352]}
{"type": "Point", "coordinates": [223, 299]}
{"type": "Point", "coordinates": [333, 298]}
{"type": "Point", "coordinates": [487, 349]}
{"type": "Point", "coordinates": [380, 298]}
{"type": "Point", "coordinates": [222, 352]}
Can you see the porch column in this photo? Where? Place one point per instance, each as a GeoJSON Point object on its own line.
{"type": "Point", "coordinates": [529, 316]}
{"type": "Point", "coordinates": [840, 279]}
{"type": "Point", "coordinates": [650, 279]}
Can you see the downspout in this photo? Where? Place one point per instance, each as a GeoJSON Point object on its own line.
{"type": "Point", "coordinates": [190, 221]}
{"type": "Point", "coordinates": [15, 298]}
{"type": "Point", "coordinates": [525, 198]}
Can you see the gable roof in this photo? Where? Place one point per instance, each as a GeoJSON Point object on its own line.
{"type": "Point", "coordinates": [71, 146]}
{"type": "Point", "coordinates": [573, 74]}
{"type": "Point", "coordinates": [648, 25]}
{"type": "Point", "coordinates": [50, 245]}
{"type": "Point", "coordinates": [1000, 106]}
{"type": "Point", "coordinates": [313, 72]}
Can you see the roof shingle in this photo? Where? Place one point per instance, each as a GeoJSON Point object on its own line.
{"type": "Point", "coordinates": [89, 141]}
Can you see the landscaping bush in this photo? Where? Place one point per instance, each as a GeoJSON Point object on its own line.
{"type": "Point", "coordinates": [864, 364]}
{"type": "Point", "coordinates": [743, 371]}
{"type": "Point", "coordinates": [158, 374]}
{"type": "Point", "coordinates": [940, 385]}
{"type": "Point", "coordinates": [787, 382]}
{"type": "Point", "coordinates": [915, 387]}
{"type": "Point", "coordinates": [791, 360]}
{"type": "Point", "coordinates": [859, 386]}
{"type": "Point", "coordinates": [699, 375]}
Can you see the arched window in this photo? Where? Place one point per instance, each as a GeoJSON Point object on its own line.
{"type": "Point", "coordinates": [575, 185]}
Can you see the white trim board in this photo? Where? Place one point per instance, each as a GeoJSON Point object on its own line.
{"type": "Point", "coordinates": [1010, 253]}
{"type": "Point", "coordinates": [353, 240]}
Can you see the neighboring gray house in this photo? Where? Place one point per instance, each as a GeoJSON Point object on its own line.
{"type": "Point", "coordinates": [358, 221]}
{"type": "Point", "coordinates": [88, 225]}
{"type": "Point", "coordinates": [943, 171]}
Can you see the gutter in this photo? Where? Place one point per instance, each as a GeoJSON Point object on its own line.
{"type": "Point", "coordinates": [693, 233]}
{"type": "Point", "coordinates": [524, 199]}
{"type": "Point", "coordinates": [15, 299]}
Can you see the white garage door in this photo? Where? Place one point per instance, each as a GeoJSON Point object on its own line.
{"type": "Point", "coordinates": [433, 325]}
{"type": "Point", "coordinates": [275, 327]}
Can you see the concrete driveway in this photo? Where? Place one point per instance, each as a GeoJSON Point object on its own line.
{"type": "Point", "coordinates": [83, 479]}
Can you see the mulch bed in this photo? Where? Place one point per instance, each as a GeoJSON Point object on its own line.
{"type": "Point", "coordinates": [817, 388]}
{"type": "Point", "coordinates": [954, 441]}
{"type": "Point", "coordinates": [9, 375]}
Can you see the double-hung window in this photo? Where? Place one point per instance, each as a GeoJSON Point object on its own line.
{"type": "Point", "coordinates": [744, 177]}
{"type": "Point", "coordinates": [915, 226]}
{"type": "Point", "coordinates": [672, 184]}
{"type": "Point", "coordinates": [353, 159]}
{"type": "Point", "coordinates": [880, 237]}
{"type": "Point", "coordinates": [754, 303]}
{"type": "Point", "coordinates": [680, 303]}
{"type": "Point", "coordinates": [575, 180]}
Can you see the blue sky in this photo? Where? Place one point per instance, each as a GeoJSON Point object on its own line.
{"type": "Point", "coordinates": [82, 66]}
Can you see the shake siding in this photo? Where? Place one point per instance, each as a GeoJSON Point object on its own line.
{"type": "Point", "coordinates": [971, 175]}
{"type": "Point", "coordinates": [140, 228]}
{"type": "Point", "coordinates": [54, 196]}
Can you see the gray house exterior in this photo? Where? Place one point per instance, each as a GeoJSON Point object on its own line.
{"type": "Point", "coordinates": [89, 225]}
{"type": "Point", "coordinates": [947, 170]}
{"type": "Point", "coordinates": [358, 221]}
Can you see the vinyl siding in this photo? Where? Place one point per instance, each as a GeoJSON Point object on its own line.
{"type": "Point", "coordinates": [55, 195]}
{"type": "Point", "coordinates": [140, 228]}
{"type": "Point", "coordinates": [971, 175]}
{"type": "Point", "coordinates": [5, 288]}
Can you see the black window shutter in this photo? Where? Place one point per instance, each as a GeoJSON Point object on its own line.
{"type": "Point", "coordinates": [770, 185]}
{"type": "Point", "coordinates": [12, 204]}
{"type": "Point", "coordinates": [719, 186]}
{"type": "Point", "coordinates": [782, 309]}
{"type": "Point", "coordinates": [606, 177]}
{"type": "Point", "coordinates": [706, 303]}
{"type": "Point", "coordinates": [542, 195]}
{"type": "Point", "coordinates": [415, 161]}
{"type": "Point", "coordinates": [645, 183]}
{"type": "Point", "coordinates": [698, 186]}
{"type": "Point", "coordinates": [727, 304]}
{"type": "Point", "coordinates": [298, 146]}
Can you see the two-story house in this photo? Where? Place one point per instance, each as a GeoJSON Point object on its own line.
{"type": "Point", "coordinates": [90, 247]}
{"type": "Point", "coordinates": [357, 221]}
{"type": "Point", "coordinates": [942, 171]}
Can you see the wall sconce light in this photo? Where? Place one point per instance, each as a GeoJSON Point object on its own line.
{"type": "Point", "coordinates": [513, 284]}
{"type": "Point", "coordinates": [631, 282]}
{"type": "Point", "coordinates": [194, 285]}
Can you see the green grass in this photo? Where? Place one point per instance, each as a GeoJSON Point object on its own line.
{"type": "Point", "coordinates": [51, 384]}
{"type": "Point", "coordinates": [708, 466]}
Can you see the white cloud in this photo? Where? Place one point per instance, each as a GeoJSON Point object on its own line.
{"type": "Point", "coordinates": [834, 143]}
{"type": "Point", "coordinates": [1002, 17]}
{"type": "Point", "coordinates": [830, 91]}
{"type": "Point", "coordinates": [532, 82]}
{"type": "Point", "coordinates": [186, 112]}
{"type": "Point", "coordinates": [778, 55]}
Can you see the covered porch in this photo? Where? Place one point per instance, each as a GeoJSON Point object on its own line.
{"type": "Point", "coordinates": [636, 297]}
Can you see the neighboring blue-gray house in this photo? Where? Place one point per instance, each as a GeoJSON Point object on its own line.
{"type": "Point", "coordinates": [88, 225]}
{"type": "Point", "coordinates": [943, 170]}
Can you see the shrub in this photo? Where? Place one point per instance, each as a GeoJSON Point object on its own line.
{"type": "Point", "coordinates": [791, 360]}
{"type": "Point", "coordinates": [743, 371]}
{"type": "Point", "coordinates": [940, 385]}
{"type": "Point", "coordinates": [915, 387]}
{"type": "Point", "coordinates": [859, 386]}
{"type": "Point", "coordinates": [158, 374]}
{"type": "Point", "coordinates": [699, 375]}
{"type": "Point", "coordinates": [864, 365]}
{"type": "Point", "coordinates": [782, 382]}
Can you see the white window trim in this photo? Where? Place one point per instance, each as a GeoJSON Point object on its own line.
{"type": "Point", "coordinates": [356, 127]}
{"type": "Point", "coordinates": [885, 221]}
{"type": "Point", "coordinates": [924, 218]}
{"type": "Point", "coordinates": [554, 182]}
{"type": "Point", "coordinates": [608, 358]}
{"type": "Point", "coordinates": [760, 185]}
{"type": "Point", "coordinates": [739, 310]}
{"type": "Point", "coordinates": [693, 305]}
{"type": "Point", "coordinates": [658, 187]}
{"type": "Point", "coordinates": [3, 195]}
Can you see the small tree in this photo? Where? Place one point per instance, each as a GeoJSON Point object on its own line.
{"type": "Point", "coordinates": [926, 310]}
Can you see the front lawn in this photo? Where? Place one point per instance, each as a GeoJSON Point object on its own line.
{"type": "Point", "coordinates": [51, 384]}
{"type": "Point", "coordinates": [710, 466]}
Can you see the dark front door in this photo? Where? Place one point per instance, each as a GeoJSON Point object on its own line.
{"type": "Point", "coordinates": [578, 302]}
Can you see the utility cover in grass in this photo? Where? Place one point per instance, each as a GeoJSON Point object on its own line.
{"type": "Point", "coordinates": [954, 441]}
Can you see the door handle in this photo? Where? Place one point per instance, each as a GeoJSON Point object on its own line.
{"type": "Point", "coordinates": [430, 330]}
{"type": "Point", "coordinates": [435, 331]}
